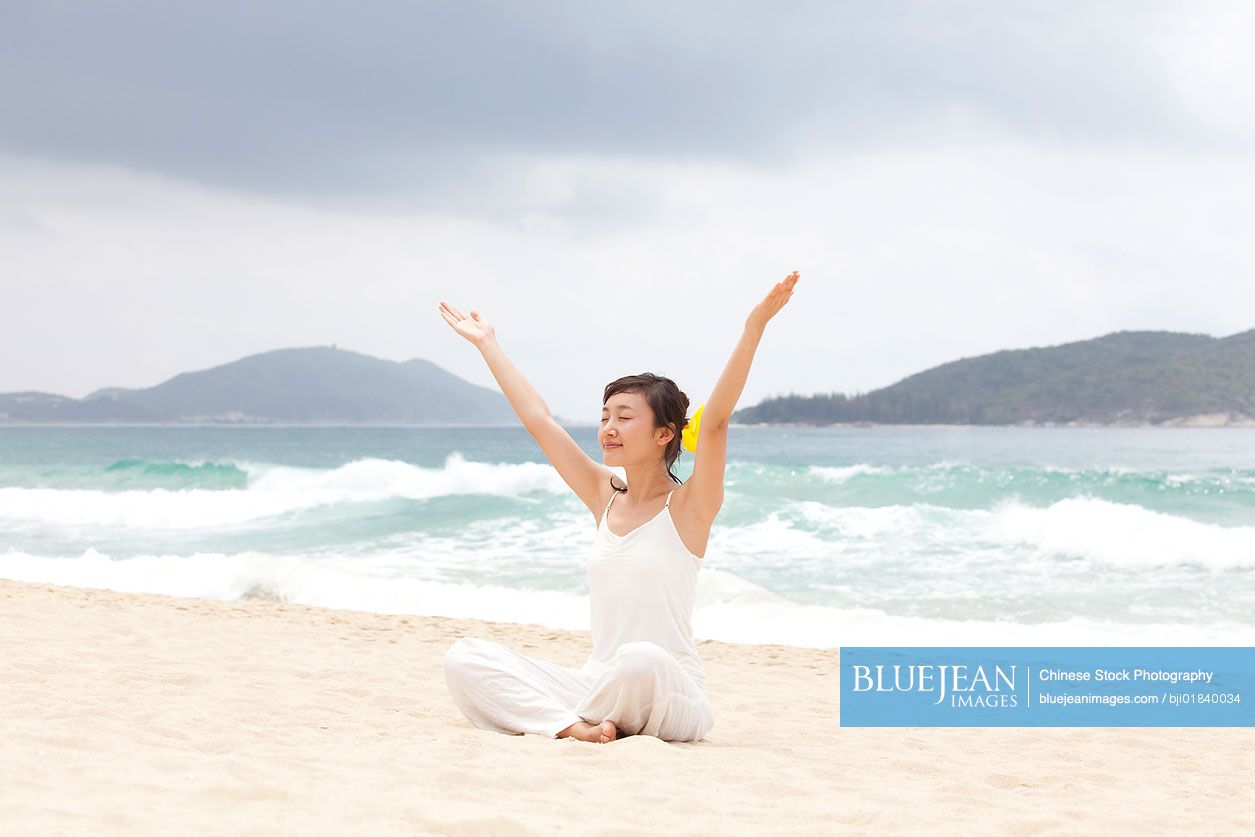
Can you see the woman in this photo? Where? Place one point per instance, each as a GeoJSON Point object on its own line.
{"type": "Point", "coordinates": [644, 676]}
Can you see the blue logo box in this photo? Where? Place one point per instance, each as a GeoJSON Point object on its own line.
{"type": "Point", "coordinates": [1047, 687]}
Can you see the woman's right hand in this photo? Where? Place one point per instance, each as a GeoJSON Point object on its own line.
{"type": "Point", "coordinates": [474, 328]}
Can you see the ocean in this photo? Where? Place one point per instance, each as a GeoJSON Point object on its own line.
{"type": "Point", "coordinates": [828, 536]}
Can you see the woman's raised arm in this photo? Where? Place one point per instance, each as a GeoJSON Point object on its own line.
{"type": "Point", "coordinates": [580, 471]}
{"type": "Point", "coordinates": [522, 396]}
{"type": "Point", "coordinates": [705, 492]}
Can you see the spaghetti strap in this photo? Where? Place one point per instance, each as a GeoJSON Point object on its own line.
{"type": "Point", "coordinates": [667, 504]}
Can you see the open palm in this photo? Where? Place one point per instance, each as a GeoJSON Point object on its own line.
{"type": "Point", "coordinates": [773, 302]}
{"type": "Point", "coordinates": [474, 328]}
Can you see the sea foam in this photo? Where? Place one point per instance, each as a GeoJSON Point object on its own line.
{"type": "Point", "coordinates": [728, 608]}
{"type": "Point", "coordinates": [273, 491]}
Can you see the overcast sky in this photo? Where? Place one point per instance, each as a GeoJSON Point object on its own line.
{"type": "Point", "coordinates": [616, 185]}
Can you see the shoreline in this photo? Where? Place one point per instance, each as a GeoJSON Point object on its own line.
{"type": "Point", "coordinates": [768, 624]}
{"type": "Point", "coordinates": [143, 713]}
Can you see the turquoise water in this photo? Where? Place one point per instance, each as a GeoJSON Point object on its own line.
{"type": "Point", "coordinates": [829, 536]}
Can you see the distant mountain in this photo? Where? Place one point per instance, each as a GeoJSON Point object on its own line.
{"type": "Point", "coordinates": [320, 385]}
{"type": "Point", "coordinates": [1125, 378]}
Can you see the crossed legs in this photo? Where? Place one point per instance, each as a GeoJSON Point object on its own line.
{"type": "Point", "coordinates": [641, 691]}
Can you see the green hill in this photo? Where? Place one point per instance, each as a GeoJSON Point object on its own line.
{"type": "Point", "coordinates": [1129, 377]}
{"type": "Point", "coordinates": [307, 385]}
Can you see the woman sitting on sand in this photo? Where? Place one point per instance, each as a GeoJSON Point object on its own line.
{"type": "Point", "coordinates": [644, 676]}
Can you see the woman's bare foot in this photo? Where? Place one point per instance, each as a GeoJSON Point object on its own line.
{"type": "Point", "coordinates": [601, 733]}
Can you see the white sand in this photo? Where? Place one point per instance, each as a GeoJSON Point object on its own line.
{"type": "Point", "coordinates": [135, 713]}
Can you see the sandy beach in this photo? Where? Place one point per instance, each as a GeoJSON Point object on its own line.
{"type": "Point", "coordinates": [136, 713]}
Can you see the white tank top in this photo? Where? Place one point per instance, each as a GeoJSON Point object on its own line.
{"type": "Point", "coordinates": [642, 586]}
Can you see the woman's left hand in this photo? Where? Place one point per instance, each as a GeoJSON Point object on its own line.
{"type": "Point", "coordinates": [773, 302]}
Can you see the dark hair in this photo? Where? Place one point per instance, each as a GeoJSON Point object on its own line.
{"type": "Point", "coordinates": [668, 404]}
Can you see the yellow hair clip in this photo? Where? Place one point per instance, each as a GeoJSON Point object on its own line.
{"type": "Point", "coordinates": [688, 438]}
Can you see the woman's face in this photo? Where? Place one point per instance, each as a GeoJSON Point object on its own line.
{"type": "Point", "coordinates": [627, 434]}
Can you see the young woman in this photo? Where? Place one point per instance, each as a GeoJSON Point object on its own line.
{"type": "Point", "coordinates": [644, 676]}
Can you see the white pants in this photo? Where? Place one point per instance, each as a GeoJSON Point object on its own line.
{"type": "Point", "coordinates": [643, 690]}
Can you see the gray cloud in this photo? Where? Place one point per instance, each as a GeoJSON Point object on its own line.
{"type": "Point", "coordinates": [610, 182]}
{"type": "Point", "coordinates": [400, 98]}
